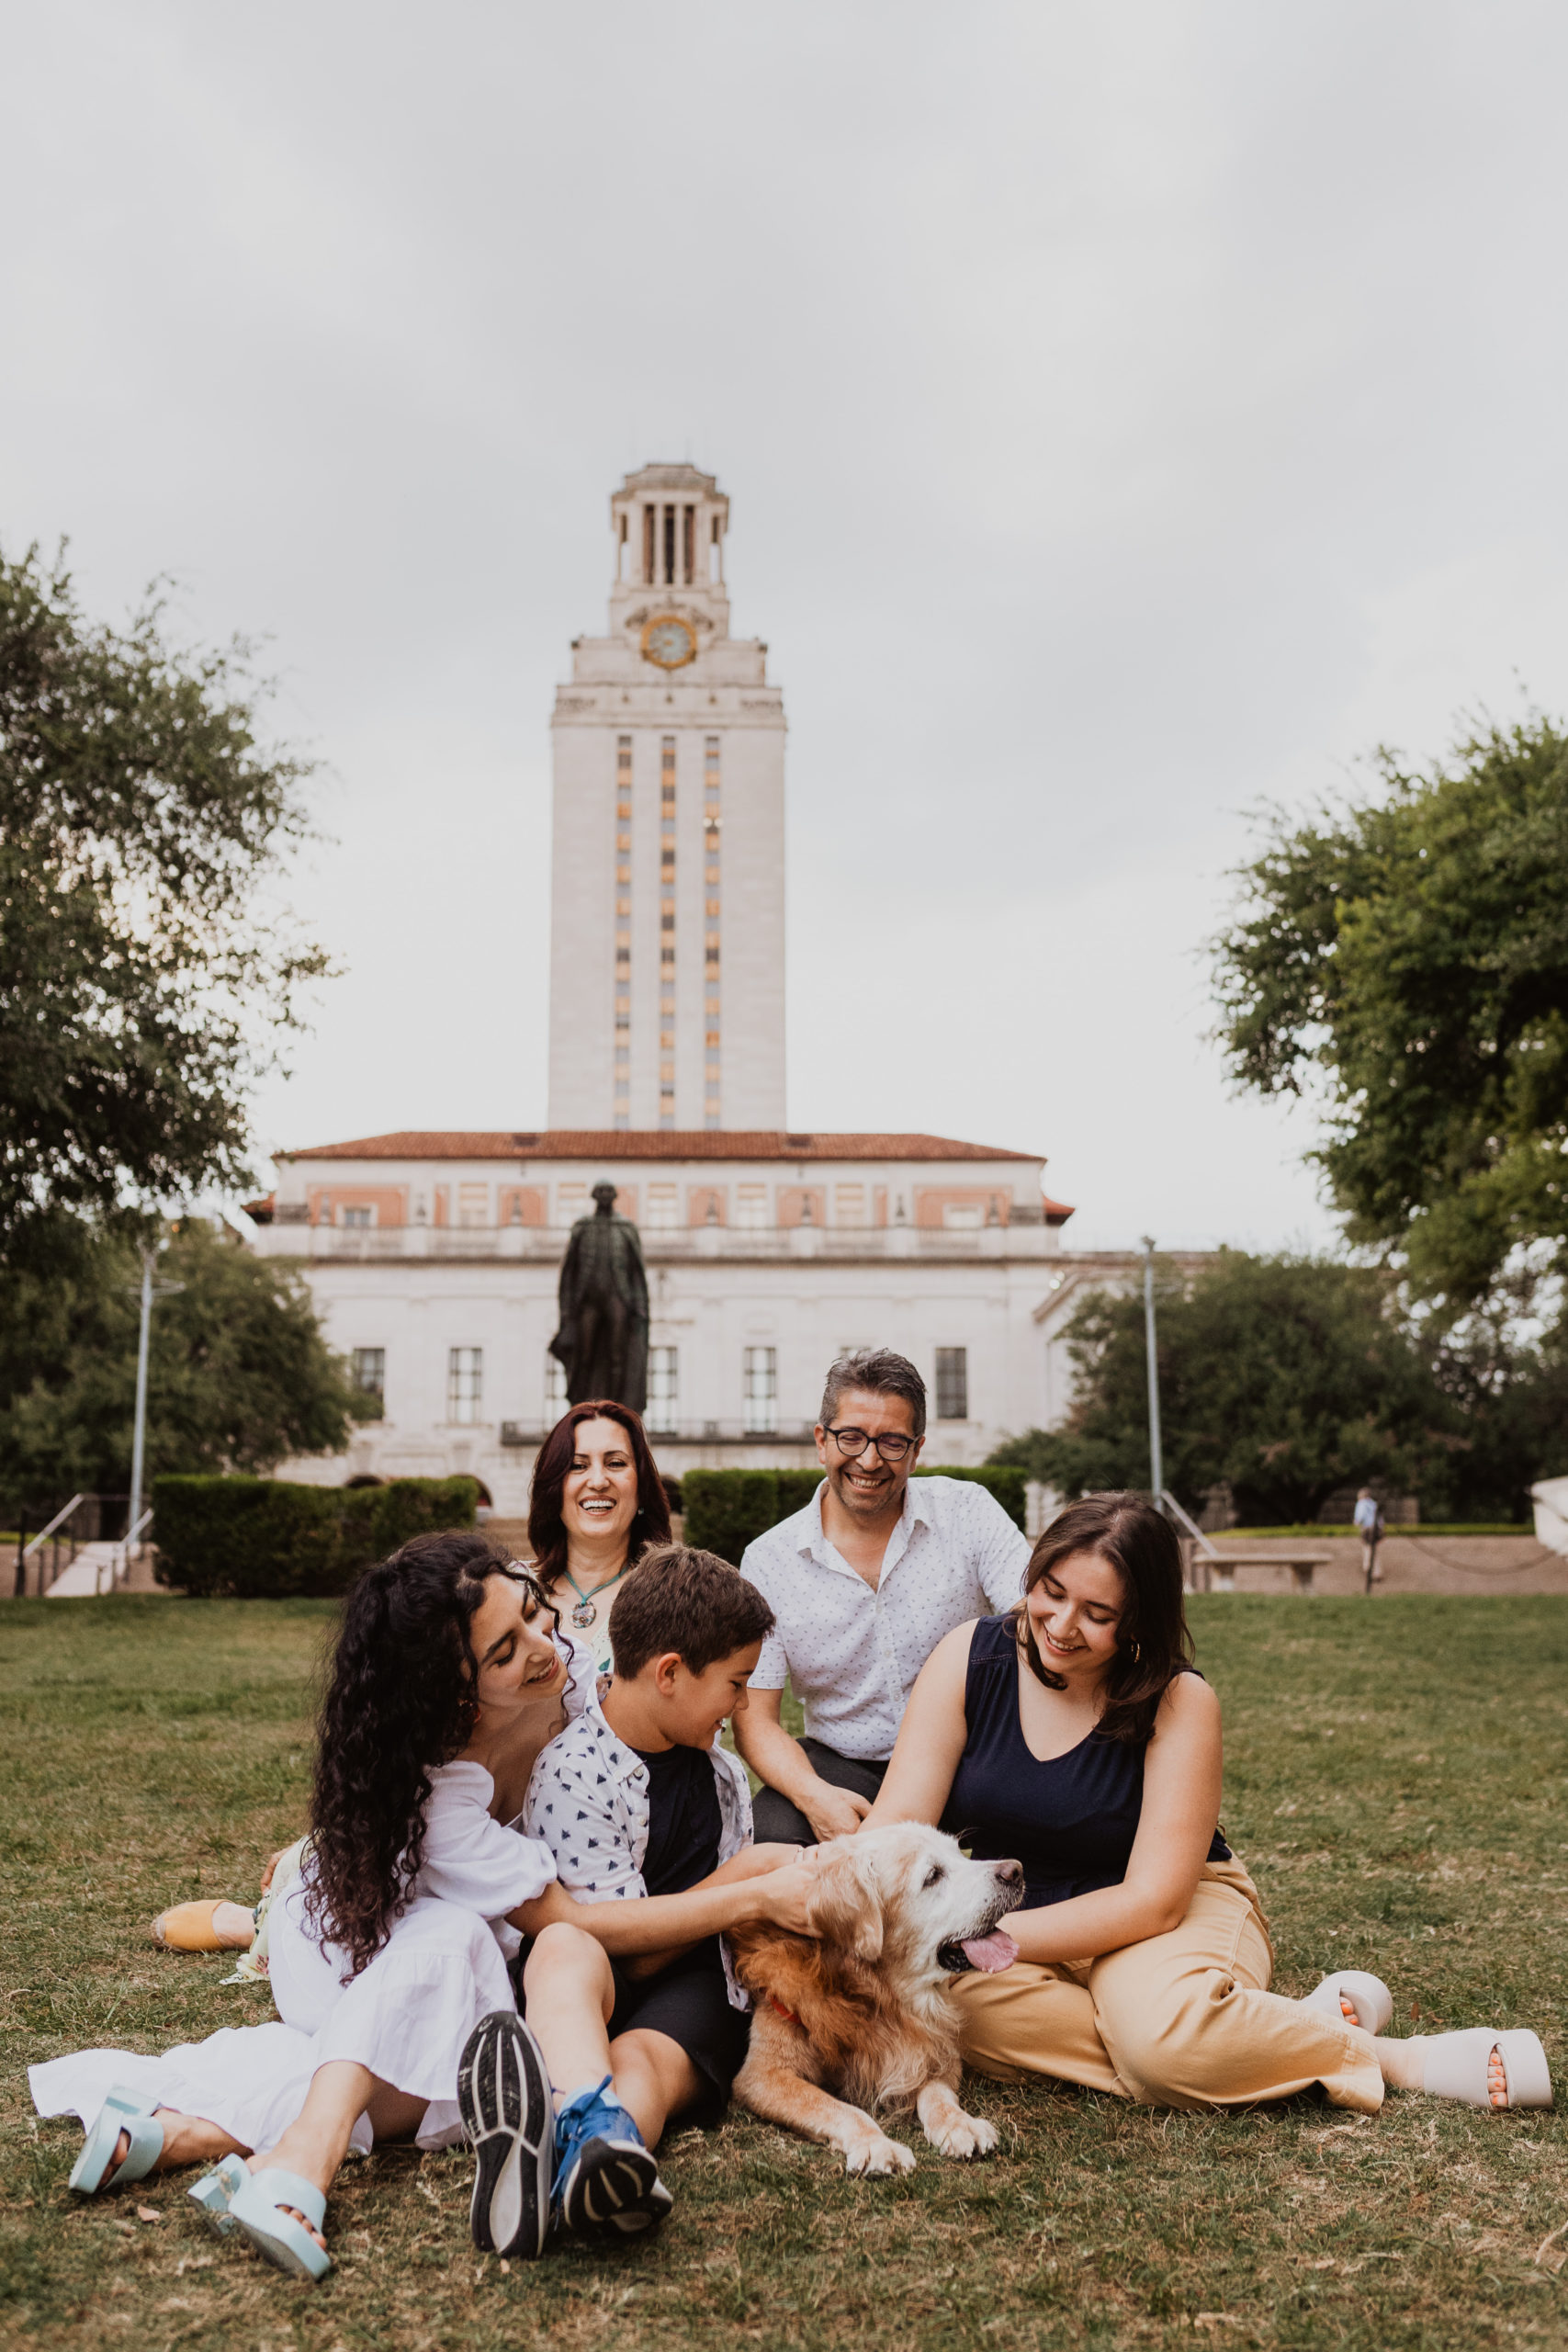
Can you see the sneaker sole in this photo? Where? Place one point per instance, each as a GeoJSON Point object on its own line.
{"type": "Point", "coordinates": [613, 2192]}
{"type": "Point", "coordinates": [504, 2091]}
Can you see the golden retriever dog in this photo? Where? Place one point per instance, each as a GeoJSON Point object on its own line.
{"type": "Point", "coordinates": [863, 2005]}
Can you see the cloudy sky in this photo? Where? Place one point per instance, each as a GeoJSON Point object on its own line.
{"type": "Point", "coordinates": [1131, 412]}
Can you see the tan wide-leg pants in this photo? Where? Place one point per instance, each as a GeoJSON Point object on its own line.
{"type": "Point", "coordinates": [1185, 2019]}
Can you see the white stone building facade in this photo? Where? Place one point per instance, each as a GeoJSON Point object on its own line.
{"type": "Point", "coordinates": [434, 1261]}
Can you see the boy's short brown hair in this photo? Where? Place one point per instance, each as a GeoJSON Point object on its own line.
{"type": "Point", "coordinates": [691, 1603]}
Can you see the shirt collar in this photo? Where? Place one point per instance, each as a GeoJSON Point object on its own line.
{"type": "Point", "coordinates": [620, 1759]}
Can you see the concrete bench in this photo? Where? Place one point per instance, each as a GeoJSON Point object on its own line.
{"type": "Point", "coordinates": [1221, 1565]}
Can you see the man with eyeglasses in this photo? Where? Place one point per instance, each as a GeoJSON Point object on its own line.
{"type": "Point", "coordinates": [863, 1584]}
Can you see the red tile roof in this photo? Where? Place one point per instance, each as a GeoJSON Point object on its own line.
{"type": "Point", "coordinates": [597, 1143]}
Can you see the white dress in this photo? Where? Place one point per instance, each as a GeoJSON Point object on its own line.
{"type": "Point", "coordinates": [407, 2014]}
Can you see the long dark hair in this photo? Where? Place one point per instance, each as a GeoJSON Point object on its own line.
{"type": "Point", "coordinates": [403, 1697]}
{"type": "Point", "coordinates": [546, 1529]}
{"type": "Point", "coordinates": [1152, 1643]}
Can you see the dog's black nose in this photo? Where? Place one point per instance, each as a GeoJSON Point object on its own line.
{"type": "Point", "coordinates": [1010, 1874]}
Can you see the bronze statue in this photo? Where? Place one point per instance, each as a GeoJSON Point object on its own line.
{"type": "Point", "coordinates": [603, 1340]}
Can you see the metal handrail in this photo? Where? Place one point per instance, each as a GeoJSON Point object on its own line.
{"type": "Point", "coordinates": [58, 1521]}
{"type": "Point", "coordinates": [123, 1570]}
{"type": "Point", "coordinates": [1210, 1550]}
{"type": "Point", "coordinates": [1194, 1534]}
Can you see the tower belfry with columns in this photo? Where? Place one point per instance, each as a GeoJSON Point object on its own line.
{"type": "Point", "coordinates": [667, 878]}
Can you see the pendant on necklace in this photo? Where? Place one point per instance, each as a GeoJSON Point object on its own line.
{"type": "Point", "coordinates": [584, 1615]}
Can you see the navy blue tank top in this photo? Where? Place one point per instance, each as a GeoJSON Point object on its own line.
{"type": "Point", "coordinates": [1070, 1820]}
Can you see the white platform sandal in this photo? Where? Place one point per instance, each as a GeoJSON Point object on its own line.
{"type": "Point", "coordinates": [256, 2211]}
{"type": "Point", "coordinates": [1455, 2065]}
{"type": "Point", "coordinates": [122, 2111]}
{"type": "Point", "coordinates": [1369, 1995]}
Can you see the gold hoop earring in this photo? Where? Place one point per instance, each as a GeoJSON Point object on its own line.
{"type": "Point", "coordinates": [1136, 1653]}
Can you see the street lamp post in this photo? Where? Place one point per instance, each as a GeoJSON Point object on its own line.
{"type": "Point", "coordinates": [1156, 1466]}
{"type": "Point", "coordinates": [150, 1289]}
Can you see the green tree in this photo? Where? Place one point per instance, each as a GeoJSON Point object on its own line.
{"type": "Point", "coordinates": [1284, 1377]}
{"type": "Point", "coordinates": [1407, 959]}
{"type": "Point", "coordinates": [145, 969]}
{"type": "Point", "coordinates": [239, 1373]}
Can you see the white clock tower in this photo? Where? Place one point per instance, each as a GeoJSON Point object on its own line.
{"type": "Point", "coordinates": [667, 883]}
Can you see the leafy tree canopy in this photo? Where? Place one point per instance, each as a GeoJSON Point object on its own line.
{"type": "Point", "coordinates": [239, 1374]}
{"type": "Point", "coordinates": [1411, 955]}
{"type": "Point", "coordinates": [1287, 1377]}
{"type": "Point", "coordinates": [143, 968]}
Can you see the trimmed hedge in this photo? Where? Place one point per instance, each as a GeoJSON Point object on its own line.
{"type": "Point", "coordinates": [727, 1509]}
{"type": "Point", "coordinates": [1000, 1480]}
{"type": "Point", "coordinates": [267, 1538]}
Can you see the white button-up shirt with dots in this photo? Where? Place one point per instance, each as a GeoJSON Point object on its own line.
{"type": "Point", "coordinates": [852, 1654]}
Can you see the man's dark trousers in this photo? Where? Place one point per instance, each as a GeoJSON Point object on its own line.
{"type": "Point", "coordinates": [776, 1822]}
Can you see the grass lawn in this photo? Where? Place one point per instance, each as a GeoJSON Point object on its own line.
{"type": "Point", "coordinates": [1395, 1777]}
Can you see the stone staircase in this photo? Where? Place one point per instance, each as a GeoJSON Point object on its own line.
{"type": "Point", "coordinates": [96, 1570]}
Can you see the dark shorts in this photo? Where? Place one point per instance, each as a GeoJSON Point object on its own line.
{"type": "Point", "coordinates": [689, 2002]}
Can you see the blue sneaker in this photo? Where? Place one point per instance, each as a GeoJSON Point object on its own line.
{"type": "Point", "coordinates": [607, 2184]}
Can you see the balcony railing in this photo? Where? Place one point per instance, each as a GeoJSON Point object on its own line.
{"type": "Point", "coordinates": [683, 1433]}
{"type": "Point", "coordinates": [687, 1244]}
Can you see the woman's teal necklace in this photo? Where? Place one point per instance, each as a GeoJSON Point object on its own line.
{"type": "Point", "coordinates": [586, 1613]}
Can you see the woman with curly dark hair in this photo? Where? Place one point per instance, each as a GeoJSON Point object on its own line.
{"type": "Point", "coordinates": [393, 1942]}
{"type": "Point", "coordinates": [448, 1678]}
{"type": "Point", "coordinates": [596, 1505]}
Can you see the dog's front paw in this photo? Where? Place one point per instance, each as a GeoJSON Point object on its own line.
{"type": "Point", "coordinates": [966, 2136]}
{"type": "Point", "coordinates": [876, 2156]}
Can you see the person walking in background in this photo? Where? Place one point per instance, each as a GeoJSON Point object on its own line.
{"type": "Point", "coordinates": [862, 1583]}
{"type": "Point", "coordinates": [1367, 1516]}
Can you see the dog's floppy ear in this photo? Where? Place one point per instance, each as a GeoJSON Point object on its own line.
{"type": "Point", "coordinates": [845, 1912]}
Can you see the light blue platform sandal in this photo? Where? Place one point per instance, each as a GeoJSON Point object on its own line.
{"type": "Point", "coordinates": [255, 2210]}
{"type": "Point", "coordinates": [96, 2168]}
{"type": "Point", "coordinates": [214, 2193]}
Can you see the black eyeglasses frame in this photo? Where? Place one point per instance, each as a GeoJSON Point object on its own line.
{"type": "Point", "coordinates": [893, 1438]}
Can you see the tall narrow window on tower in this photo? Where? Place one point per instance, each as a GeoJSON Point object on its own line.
{"type": "Point", "coordinates": [621, 1097]}
{"type": "Point", "coordinates": [667, 927]}
{"type": "Point", "coordinates": [669, 547]}
{"type": "Point", "coordinates": [712, 1057]}
{"type": "Point", "coordinates": [647, 527]}
{"type": "Point", "coordinates": [688, 543]}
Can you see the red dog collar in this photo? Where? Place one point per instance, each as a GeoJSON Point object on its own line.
{"type": "Point", "coordinates": [778, 2005]}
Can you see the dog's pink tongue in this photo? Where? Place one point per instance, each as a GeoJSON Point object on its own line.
{"type": "Point", "coordinates": [990, 1953]}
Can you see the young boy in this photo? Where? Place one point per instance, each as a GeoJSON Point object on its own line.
{"type": "Point", "coordinates": [639, 2019]}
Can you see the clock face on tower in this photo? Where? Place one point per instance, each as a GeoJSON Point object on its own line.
{"type": "Point", "coordinates": [670, 641]}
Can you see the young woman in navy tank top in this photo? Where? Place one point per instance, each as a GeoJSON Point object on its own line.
{"type": "Point", "coordinates": [1074, 1735]}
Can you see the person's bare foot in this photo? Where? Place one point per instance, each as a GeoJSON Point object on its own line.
{"type": "Point", "coordinates": [275, 2157]}
{"type": "Point", "coordinates": [1404, 2066]}
{"type": "Point", "coordinates": [188, 2139]}
{"type": "Point", "coordinates": [235, 1925]}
